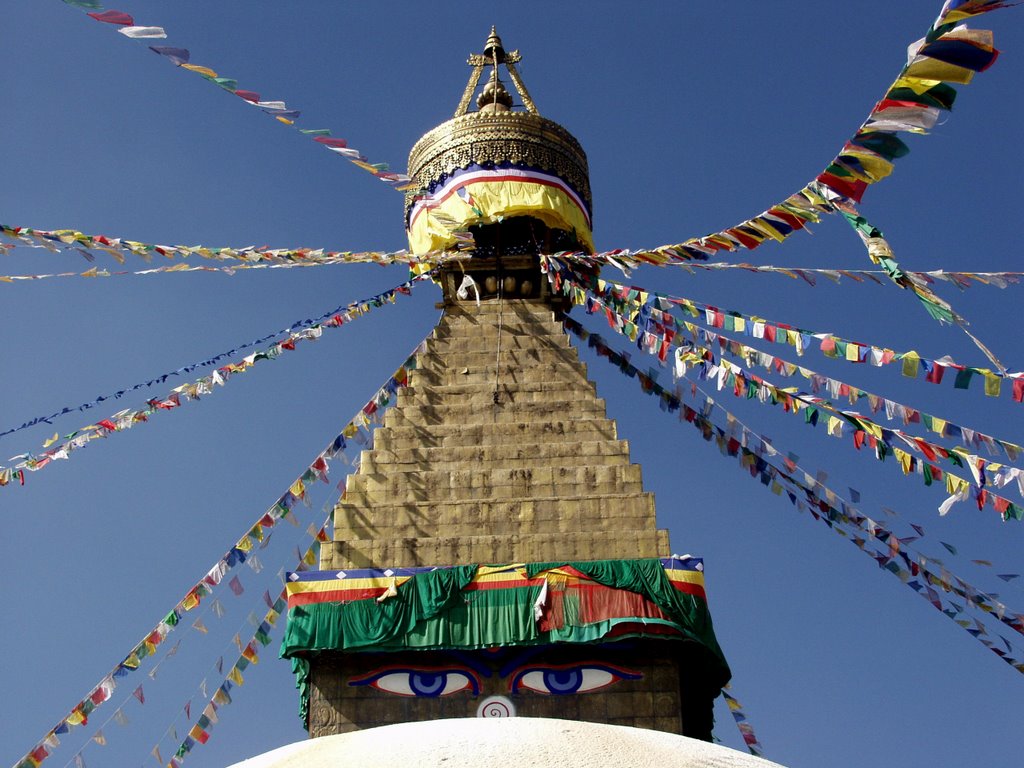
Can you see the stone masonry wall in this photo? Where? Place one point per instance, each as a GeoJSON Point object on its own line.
{"type": "Point", "coordinates": [495, 456]}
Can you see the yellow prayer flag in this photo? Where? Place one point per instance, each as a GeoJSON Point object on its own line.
{"type": "Point", "coordinates": [933, 69]}
{"type": "Point", "coordinates": [993, 384]}
{"type": "Point", "coordinates": [852, 353]}
{"type": "Point", "coordinates": [904, 459]}
{"type": "Point", "coordinates": [236, 677]}
{"type": "Point", "coordinates": [911, 362]}
{"type": "Point", "coordinates": [916, 84]}
{"type": "Point", "coordinates": [200, 70]}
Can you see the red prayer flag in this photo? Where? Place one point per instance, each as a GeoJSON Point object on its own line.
{"type": "Point", "coordinates": [114, 17]}
{"type": "Point", "coordinates": [853, 189]}
{"type": "Point", "coordinates": [247, 95]}
{"type": "Point", "coordinates": [331, 142]}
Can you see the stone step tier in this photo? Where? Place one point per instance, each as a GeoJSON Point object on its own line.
{"type": "Point", "coordinates": [499, 450]}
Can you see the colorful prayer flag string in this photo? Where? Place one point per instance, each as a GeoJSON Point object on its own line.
{"type": "Point", "coordinates": [238, 554]}
{"type": "Point", "coordinates": [176, 268]}
{"type": "Point", "coordinates": [881, 253]}
{"type": "Point", "coordinates": [800, 339]}
{"type": "Point", "coordinates": [742, 724]}
{"type": "Point", "coordinates": [116, 247]}
{"type": "Point", "coordinates": [866, 432]}
{"type": "Point", "coordinates": [199, 732]}
{"type": "Point", "coordinates": [814, 496]}
{"type": "Point", "coordinates": [650, 331]}
{"type": "Point", "coordinates": [126, 419]}
{"type": "Point", "coordinates": [280, 258]}
{"type": "Point", "coordinates": [180, 57]}
{"type": "Point", "coordinates": [346, 312]}
{"type": "Point", "coordinates": [655, 323]}
{"type": "Point", "coordinates": [947, 54]}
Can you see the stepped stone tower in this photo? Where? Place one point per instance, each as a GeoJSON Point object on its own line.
{"type": "Point", "coordinates": [496, 552]}
{"type": "Point", "coordinates": [495, 456]}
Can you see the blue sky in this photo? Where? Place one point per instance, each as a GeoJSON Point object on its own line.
{"type": "Point", "coordinates": [694, 117]}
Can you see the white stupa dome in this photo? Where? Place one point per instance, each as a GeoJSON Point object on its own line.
{"type": "Point", "coordinates": [514, 742]}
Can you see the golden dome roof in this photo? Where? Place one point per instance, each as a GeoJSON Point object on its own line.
{"type": "Point", "coordinates": [473, 168]}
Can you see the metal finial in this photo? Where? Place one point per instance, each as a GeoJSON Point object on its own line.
{"type": "Point", "coordinates": [494, 55]}
{"type": "Point", "coordinates": [493, 49]}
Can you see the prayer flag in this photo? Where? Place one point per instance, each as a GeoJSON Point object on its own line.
{"type": "Point", "coordinates": [142, 33]}
{"type": "Point", "coordinates": [113, 17]}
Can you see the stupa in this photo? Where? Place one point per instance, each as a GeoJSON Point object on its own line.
{"type": "Point", "coordinates": [496, 553]}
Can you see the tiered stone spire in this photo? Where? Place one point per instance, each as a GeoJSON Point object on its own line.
{"type": "Point", "coordinates": [495, 456]}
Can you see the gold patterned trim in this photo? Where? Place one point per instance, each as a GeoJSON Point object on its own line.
{"type": "Point", "coordinates": [520, 138]}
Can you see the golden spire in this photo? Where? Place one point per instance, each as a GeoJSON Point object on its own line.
{"type": "Point", "coordinates": [494, 97]}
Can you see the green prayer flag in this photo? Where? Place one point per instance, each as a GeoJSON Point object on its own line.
{"type": "Point", "coordinates": [963, 378]}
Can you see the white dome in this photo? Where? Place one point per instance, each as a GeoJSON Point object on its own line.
{"type": "Point", "coordinates": [515, 742]}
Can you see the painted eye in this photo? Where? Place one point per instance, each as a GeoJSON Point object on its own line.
{"type": "Point", "coordinates": [569, 679]}
{"type": "Point", "coordinates": [429, 683]}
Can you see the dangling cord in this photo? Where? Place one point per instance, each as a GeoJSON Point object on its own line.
{"type": "Point", "coordinates": [496, 395]}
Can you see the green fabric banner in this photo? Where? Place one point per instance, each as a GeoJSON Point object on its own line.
{"type": "Point", "coordinates": [433, 610]}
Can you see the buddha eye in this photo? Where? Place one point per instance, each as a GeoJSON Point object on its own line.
{"type": "Point", "coordinates": [569, 678]}
{"type": "Point", "coordinates": [429, 683]}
